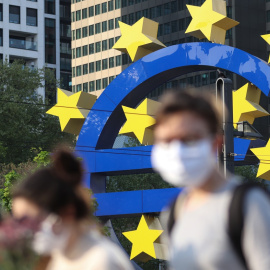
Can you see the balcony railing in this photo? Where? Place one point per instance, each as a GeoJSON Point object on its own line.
{"type": "Point", "coordinates": [22, 44]}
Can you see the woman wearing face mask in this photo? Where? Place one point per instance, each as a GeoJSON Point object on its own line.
{"type": "Point", "coordinates": [188, 135]}
{"type": "Point", "coordinates": [68, 233]}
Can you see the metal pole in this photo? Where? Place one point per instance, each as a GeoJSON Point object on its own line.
{"type": "Point", "coordinates": [224, 91]}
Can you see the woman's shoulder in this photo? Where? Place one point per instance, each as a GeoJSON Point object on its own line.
{"type": "Point", "coordinates": [109, 253]}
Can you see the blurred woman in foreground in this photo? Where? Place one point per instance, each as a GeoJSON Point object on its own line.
{"type": "Point", "coordinates": [68, 233]}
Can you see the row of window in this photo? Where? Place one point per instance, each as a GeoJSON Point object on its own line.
{"type": "Point", "coordinates": [94, 47]}
{"type": "Point", "coordinates": [95, 29]}
{"type": "Point", "coordinates": [99, 65]}
{"type": "Point", "coordinates": [157, 11]}
{"type": "Point", "coordinates": [93, 85]}
{"type": "Point", "coordinates": [15, 15]}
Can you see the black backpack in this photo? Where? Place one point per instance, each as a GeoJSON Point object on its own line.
{"type": "Point", "coordinates": [236, 217]}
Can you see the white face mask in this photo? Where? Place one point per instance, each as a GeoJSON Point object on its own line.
{"type": "Point", "coordinates": [181, 164]}
{"type": "Point", "coordinates": [46, 240]}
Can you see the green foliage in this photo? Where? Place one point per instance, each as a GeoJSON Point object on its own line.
{"type": "Point", "coordinates": [24, 123]}
{"type": "Point", "coordinates": [248, 173]}
{"type": "Point", "coordinates": [5, 192]}
{"type": "Point", "coordinates": [42, 159]}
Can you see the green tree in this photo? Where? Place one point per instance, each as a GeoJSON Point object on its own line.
{"type": "Point", "coordinates": [24, 123]}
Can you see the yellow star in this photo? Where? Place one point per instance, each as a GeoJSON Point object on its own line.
{"type": "Point", "coordinates": [267, 39]}
{"type": "Point", "coordinates": [143, 239]}
{"type": "Point", "coordinates": [262, 154]}
{"type": "Point", "coordinates": [139, 39]}
{"type": "Point", "coordinates": [72, 109]}
{"type": "Point", "coordinates": [210, 21]}
{"type": "Point", "coordinates": [246, 104]}
{"type": "Point", "coordinates": [140, 122]}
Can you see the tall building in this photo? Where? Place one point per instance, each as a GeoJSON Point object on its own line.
{"type": "Point", "coordinates": [95, 29]}
{"type": "Point", "coordinates": [39, 32]}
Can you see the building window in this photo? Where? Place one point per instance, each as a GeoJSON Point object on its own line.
{"type": "Point", "coordinates": [1, 12]}
{"type": "Point", "coordinates": [50, 44]}
{"type": "Point", "coordinates": [181, 5]}
{"type": "Point", "coordinates": [91, 86]}
{"type": "Point", "coordinates": [14, 14]}
{"type": "Point", "coordinates": [111, 24]}
{"type": "Point", "coordinates": [104, 82]}
{"type": "Point", "coordinates": [125, 19]}
{"type": "Point", "coordinates": [104, 26]}
{"type": "Point", "coordinates": [138, 15]}
{"type": "Point", "coordinates": [117, 4]}
{"type": "Point", "coordinates": [181, 25]}
{"type": "Point", "coordinates": [84, 32]}
{"type": "Point", "coordinates": [73, 54]}
{"type": "Point", "coordinates": [85, 69]}
{"type": "Point", "coordinates": [111, 62]}
{"type": "Point", "coordinates": [111, 43]}
{"type": "Point", "coordinates": [104, 64]}
{"type": "Point", "coordinates": [91, 11]}
{"type": "Point", "coordinates": [78, 52]}
{"type": "Point", "coordinates": [98, 84]}
{"type": "Point", "coordinates": [85, 50]}
{"type": "Point", "coordinates": [98, 65]}
{"type": "Point", "coordinates": [97, 9]}
{"type": "Point", "coordinates": [78, 71]}
{"type": "Point", "coordinates": [91, 30]}
{"type": "Point", "coordinates": [91, 48]}
{"type": "Point", "coordinates": [104, 45]}
{"type": "Point", "coordinates": [65, 47]}
{"type": "Point", "coordinates": [78, 33]}
{"type": "Point", "coordinates": [174, 27]}
{"type": "Point", "coordinates": [65, 11]}
{"type": "Point", "coordinates": [50, 6]}
{"type": "Point", "coordinates": [73, 16]}
{"type": "Point", "coordinates": [1, 37]}
{"type": "Point", "coordinates": [205, 78]}
{"type": "Point", "coordinates": [98, 46]}
{"type": "Point", "coordinates": [73, 35]}
{"type": "Point", "coordinates": [167, 8]}
{"type": "Point", "coordinates": [124, 3]}
{"type": "Point", "coordinates": [97, 28]}
{"type": "Point", "coordinates": [104, 7]}
{"type": "Point", "coordinates": [131, 18]}
{"type": "Point", "coordinates": [84, 13]}
{"type": "Point", "coordinates": [116, 22]}
{"type": "Point", "coordinates": [118, 60]}
{"type": "Point", "coordinates": [65, 30]}
{"type": "Point", "coordinates": [65, 64]}
{"type": "Point", "coordinates": [79, 88]}
{"type": "Point", "coordinates": [78, 15]}
{"type": "Point", "coordinates": [73, 72]}
{"type": "Point", "coordinates": [85, 87]}
{"type": "Point", "coordinates": [31, 16]}
{"type": "Point", "coordinates": [91, 67]}
{"type": "Point", "coordinates": [110, 5]}
{"type": "Point", "coordinates": [124, 59]}
{"type": "Point", "coordinates": [145, 13]}
{"type": "Point", "coordinates": [111, 79]}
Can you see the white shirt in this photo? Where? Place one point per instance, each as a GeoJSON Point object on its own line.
{"type": "Point", "coordinates": [94, 252]}
{"type": "Point", "coordinates": [199, 239]}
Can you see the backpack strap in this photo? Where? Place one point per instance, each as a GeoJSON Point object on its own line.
{"type": "Point", "coordinates": [236, 218]}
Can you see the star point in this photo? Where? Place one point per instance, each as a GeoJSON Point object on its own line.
{"type": "Point", "coordinates": [139, 39]}
{"type": "Point", "coordinates": [267, 39]}
{"type": "Point", "coordinates": [210, 21]}
{"type": "Point", "coordinates": [246, 104]}
{"type": "Point", "coordinates": [72, 109]}
{"type": "Point", "coordinates": [264, 168]}
{"type": "Point", "coordinates": [140, 121]}
{"type": "Point", "coordinates": [143, 239]}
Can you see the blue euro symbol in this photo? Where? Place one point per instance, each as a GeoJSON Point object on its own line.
{"type": "Point", "coordinates": [104, 121]}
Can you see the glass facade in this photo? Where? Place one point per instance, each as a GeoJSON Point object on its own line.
{"type": "Point", "coordinates": [50, 46]}
{"type": "Point", "coordinates": [49, 6]}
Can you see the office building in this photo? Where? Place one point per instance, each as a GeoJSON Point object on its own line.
{"type": "Point", "coordinates": [39, 32]}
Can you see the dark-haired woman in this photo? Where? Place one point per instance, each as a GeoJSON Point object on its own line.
{"type": "Point", "coordinates": [67, 231]}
